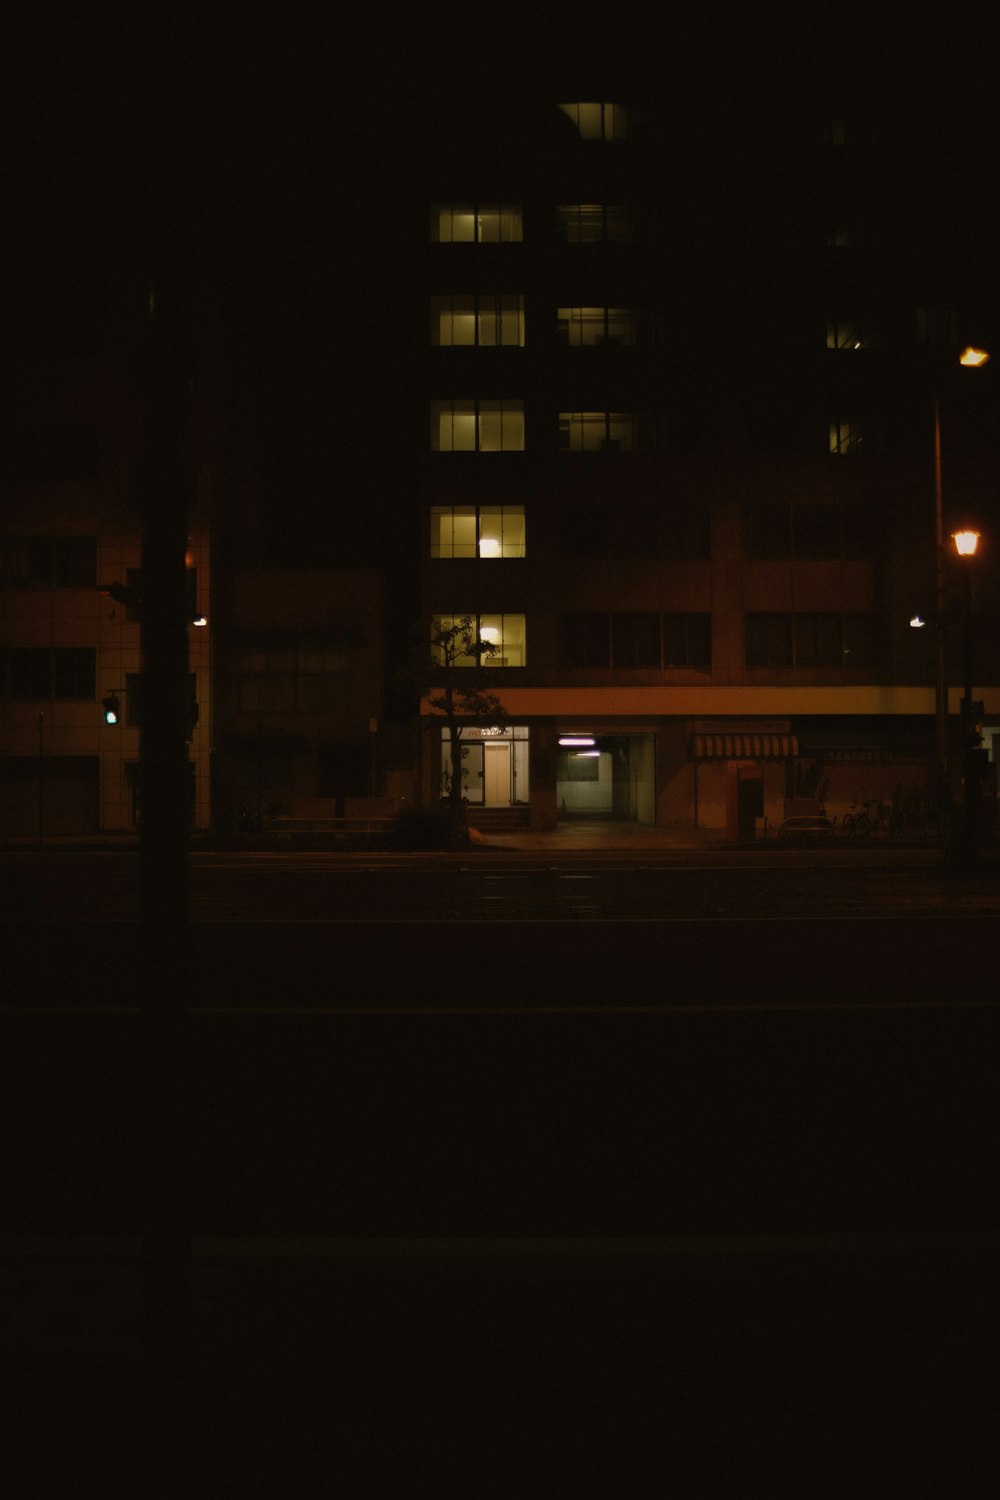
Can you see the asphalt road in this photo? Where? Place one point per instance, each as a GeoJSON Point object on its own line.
{"type": "Point", "coordinates": [535, 1176]}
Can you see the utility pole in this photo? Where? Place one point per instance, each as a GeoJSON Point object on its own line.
{"type": "Point", "coordinates": [164, 479]}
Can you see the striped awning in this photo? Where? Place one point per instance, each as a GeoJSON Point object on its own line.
{"type": "Point", "coordinates": [743, 746]}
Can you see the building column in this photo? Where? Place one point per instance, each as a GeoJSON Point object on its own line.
{"type": "Point", "coordinates": [542, 778]}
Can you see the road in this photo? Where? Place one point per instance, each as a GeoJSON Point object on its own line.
{"type": "Point", "coordinates": [583, 1151]}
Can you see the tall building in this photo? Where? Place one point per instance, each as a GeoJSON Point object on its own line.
{"type": "Point", "coordinates": [682, 371]}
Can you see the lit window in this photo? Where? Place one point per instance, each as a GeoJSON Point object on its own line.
{"type": "Point", "coordinates": [844, 333]}
{"type": "Point", "coordinates": [477, 426]}
{"type": "Point", "coordinates": [477, 531]}
{"type": "Point", "coordinates": [502, 639]}
{"type": "Point", "coordinates": [583, 327]}
{"type": "Point", "coordinates": [845, 437]}
{"type": "Point", "coordinates": [590, 223]}
{"type": "Point", "coordinates": [469, 223]}
{"type": "Point", "coordinates": [600, 431]}
{"type": "Point", "coordinates": [464, 319]}
{"type": "Point", "coordinates": [598, 122]}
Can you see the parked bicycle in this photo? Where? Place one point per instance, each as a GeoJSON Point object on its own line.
{"type": "Point", "coordinates": [866, 818]}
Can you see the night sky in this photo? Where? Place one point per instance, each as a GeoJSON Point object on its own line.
{"type": "Point", "coordinates": [259, 168]}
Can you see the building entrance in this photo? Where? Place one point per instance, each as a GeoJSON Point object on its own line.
{"type": "Point", "coordinates": [607, 776]}
{"type": "Point", "coordinates": [494, 765]}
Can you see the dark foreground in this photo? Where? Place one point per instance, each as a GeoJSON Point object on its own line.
{"type": "Point", "coordinates": [702, 1207]}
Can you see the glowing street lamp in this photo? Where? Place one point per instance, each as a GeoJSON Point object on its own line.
{"type": "Point", "coordinates": [972, 358]}
{"type": "Point", "coordinates": [966, 542]}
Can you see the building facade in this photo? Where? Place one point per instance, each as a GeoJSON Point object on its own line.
{"type": "Point", "coordinates": [71, 650]}
{"type": "Point", "coordinates": [680, 395]}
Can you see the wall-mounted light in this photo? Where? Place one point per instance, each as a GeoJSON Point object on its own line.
{"type": "Point", "coordinates": [917, 622]}
{"type": "Point", "coordinates": [569, 741]}
{"type": "Point", "coordinates": [973, 357]}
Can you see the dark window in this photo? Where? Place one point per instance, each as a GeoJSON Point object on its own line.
{"type": "Point", "coordinates": [45, 672]}
{"type": "Point", "coordinates": [864, 641]}
{"type": "Point", "coordinates": [584, 530]}
{"type": "Point", "coordinates": [768, 640]}
{"type": "Point", "coordinates": [686, 533]}
{"type": "Point", "coordinates": [816, 531]}
{"type": "Point", "coordinates": [767, 532]}
{"type": "Point", "coordinates": [809, 532]}
{"type": "Point", "coordinates": [819, 641]}
{"type": "Point", "coordinates": [635, 640]}
{"type": "Point", "coordinates": [51, 456]}
{"type": "Point", "coordinates": [74, 672]}
{"type": "Point", "coordinates": [855, 642]}
{"type": "Point", "coordinates": [29, 673]}
{"type": "Point", "coordinates": [42, 562]}
{"type": "Point", "coordinates": [586, 640]}
{"type": "Point", "coordinates": [687, 640]}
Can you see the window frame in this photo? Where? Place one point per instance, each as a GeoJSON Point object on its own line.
{"type": "Point", "coordinates": [505, 408]}
{"type": "Point", "coordinates": [478, 212]}
{"type": "Point", "coordinates": [475, 512]}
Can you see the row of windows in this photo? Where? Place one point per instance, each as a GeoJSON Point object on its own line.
{"type": "Point", "coordinates": [649, 640]}
{"type": "Point", "coordinates": [503, 223]}
{"type": "Point", "coordinates": [47, 562]}
{"type": "Point", "coordinates": [489, 320]}
{"type": "Point", "coordinates": [292, 675]}
{"type": "Point", "coordinates": [44, 673]}
{"type": "Point", "coordinates": [465, 319]}
{"type": "Point", "coordinates": [820, 640]}
{"type": "Point", "coordinates": [636, 640]}
{"type": "Point", "coordinates": [497, 426]}
{"type": "Point", "coordinates": [772, 533]}
{"type": "Point", "coordinates": [586, 531]}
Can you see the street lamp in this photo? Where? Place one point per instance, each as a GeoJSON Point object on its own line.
{"type": "Point", "coordinates": [966, 541]}
{"type": "Point", "coordinates": [971, 358]}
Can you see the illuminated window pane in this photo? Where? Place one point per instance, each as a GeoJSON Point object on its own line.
{"type": "Point", "coordinates": [483, 426]}
{"type": "Point", "coordinates": [462, 319]}
{"type": "Point", "coordinates": [506, 633]}
{"type": "Point", "coordinates": [466, 223]}
{"type": "Point", "coordinates": [511, 320]}
{"type": "Point", "coordinates": [844, 334]}
{"type": "Point", "coordinates": [598, 122]}
{"type": "Point", "coordinates": [501, 531]}
{"type": "Point", "coordinates": [453, 531]}
{"type": "Point", "coordinates": [598, 431]}
{"type": "Point", "coordinates": [845, 437]}
{"type": "Point", "coordinates": [490, 531]}
{"type": "Point", "coordinates": [498, 223]}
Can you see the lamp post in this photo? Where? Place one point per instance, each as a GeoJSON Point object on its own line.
{"type": "Point", "coordinates": [966, 542]}
{"type": "Point", "coordinates": [970, 358]}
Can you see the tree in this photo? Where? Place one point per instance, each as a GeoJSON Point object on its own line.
{"type": "Point", "coordinates": [459, 691]}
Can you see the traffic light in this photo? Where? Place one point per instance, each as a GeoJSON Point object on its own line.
{"type": "Point", "coordinates": [112, 709]}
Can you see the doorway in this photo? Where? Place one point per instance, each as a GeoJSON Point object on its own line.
{"type": "Point", "coordinates": [496, 777]}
